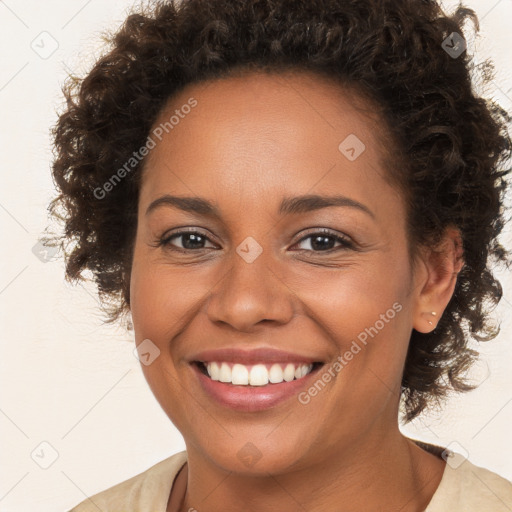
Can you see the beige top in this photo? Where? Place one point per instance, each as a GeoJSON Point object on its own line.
{"type": "Point", "coordinates": [465, 488]}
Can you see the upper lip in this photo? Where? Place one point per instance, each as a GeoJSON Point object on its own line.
{"type": "Point", "coordinates": [253, 356]}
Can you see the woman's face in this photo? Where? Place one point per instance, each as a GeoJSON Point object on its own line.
{"type": "Point", "coordinates": [266, 277]}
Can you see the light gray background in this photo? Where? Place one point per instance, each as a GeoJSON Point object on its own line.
{"type": "Point", "coordinates": [74, 383]}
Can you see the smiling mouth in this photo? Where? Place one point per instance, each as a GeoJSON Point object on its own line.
{"type": "Point", "coordinates": [260, 374]}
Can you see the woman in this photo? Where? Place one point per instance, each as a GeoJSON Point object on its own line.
{"type": "Point", "coordinates": [298, 203]}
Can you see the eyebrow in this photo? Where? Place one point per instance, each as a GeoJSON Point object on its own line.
{"type": "Point", "coordinates": [288, 206]}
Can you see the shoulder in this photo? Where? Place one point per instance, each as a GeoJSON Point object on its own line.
{"type": "Point", "coordinates": [146, 492]}
{"type": "Point", "coordinates": [467, 487]}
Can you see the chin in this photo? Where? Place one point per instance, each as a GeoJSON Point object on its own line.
{"type": "Point", "coordinates": [255, 458]}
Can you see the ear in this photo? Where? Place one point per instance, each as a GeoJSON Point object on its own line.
{"type": "Point", "coordinates": [440, 266]}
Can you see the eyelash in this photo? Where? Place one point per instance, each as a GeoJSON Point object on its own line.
{"type": "Point", "coordinates": [346, 243]}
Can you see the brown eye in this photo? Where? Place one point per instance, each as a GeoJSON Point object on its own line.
{"type": "Point", "coordinates": [190, 241]}
{"type": "Point", "coordinates": [323, 241]}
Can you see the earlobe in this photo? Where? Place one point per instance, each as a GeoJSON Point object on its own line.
{"type": "Point", "coordinates": [429, 321]}
{"type": "Point", "coordinates": [443, 264]}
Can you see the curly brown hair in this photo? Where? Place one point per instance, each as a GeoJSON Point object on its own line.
{"type": "Point", "coordinates": [450, 146]}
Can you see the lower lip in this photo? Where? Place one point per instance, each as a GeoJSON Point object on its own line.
{"type": "Point", "coordinates": [251, 398]}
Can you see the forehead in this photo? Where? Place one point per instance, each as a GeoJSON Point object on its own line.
{"type": "Point", "coordinates": [261, 131]}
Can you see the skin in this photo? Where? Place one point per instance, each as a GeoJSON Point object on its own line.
{"type": "Point", "coordinates": [250, 141]}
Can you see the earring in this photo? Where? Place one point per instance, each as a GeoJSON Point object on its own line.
{"type": "Point", "coordinates": [433, 313]}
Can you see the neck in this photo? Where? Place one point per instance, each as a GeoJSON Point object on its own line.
{"type": "Point", "coordinates": [376, 473]}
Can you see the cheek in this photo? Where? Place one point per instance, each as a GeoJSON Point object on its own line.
{"type": "Point", "coordinates": [159, 297]}
{"type": "Point", "coordinates": [365, 311]}
{"type": "Point", "coordinates": [354, 299]}
{"type": "Point", "coordinates": [155, 308]}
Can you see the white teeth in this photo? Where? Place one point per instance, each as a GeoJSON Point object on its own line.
{"type": "Point", "coordinates": [239, 375]}
{"type": "Point", "coordinates": [214, 371]}
{"type": "Point", "coordinates": [225, 373]}
{"type": "Point", "coordinates": [275, 375]}
{"type": "Point", "coordinates": [256, 375]}
{"type": "Point", "coordinates": [289, 372]}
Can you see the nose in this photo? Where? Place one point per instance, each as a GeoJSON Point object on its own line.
{"type": "Point", "coordinates": [251, 293]}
